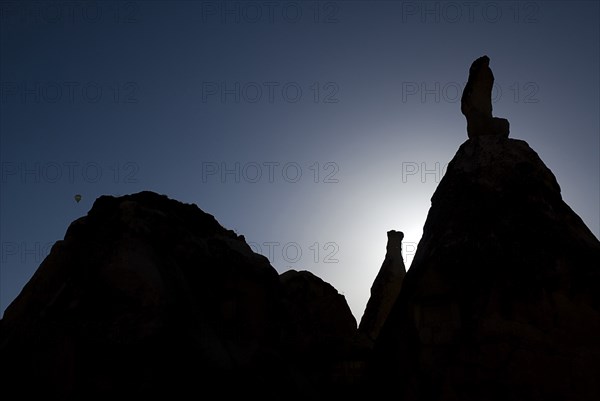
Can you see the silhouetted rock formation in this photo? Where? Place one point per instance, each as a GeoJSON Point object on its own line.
{"type": "Point", "coordinates": [318, 333]}
{"type": "Point", "coordinates": [147, 296]}
{"type": "Point", "coordinates": [502, 300]}
{"type": "Point", "coordinates": [150, 297]}
{"type": "Point", "coordinates": [385, 288]}
{"type": "Point", "coordinates": [319, 319]}
{"type": "Point", "coordinates": [476, 102]}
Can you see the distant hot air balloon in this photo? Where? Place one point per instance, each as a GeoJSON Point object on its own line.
{"type": "Point", "coordinates": [77, 198]}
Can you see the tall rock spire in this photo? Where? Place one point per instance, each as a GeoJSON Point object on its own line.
{"type": "Point", "coordinates": [502, 299]}
{"type": "Point", "coordinates": [385, 288]}
{"type": "Point", "coordinates": [476, 102]}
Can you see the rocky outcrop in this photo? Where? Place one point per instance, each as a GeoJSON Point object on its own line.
{"type": "Point", "coordinates": [319, 319]}
{"type": "Point", "coordinates": [385, 288]}
{"type": "Point", "coordinates": [318, 333]}
{"type": "Point", "coordinates": [476, 102]}
{"type": "Point", "coordinates": [150, 297]}
{"type": "Point", "coordinates": [502, 300]}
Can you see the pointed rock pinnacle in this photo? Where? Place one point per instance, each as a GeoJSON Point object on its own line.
{"type": "Point", "coordinates": [476, 102]}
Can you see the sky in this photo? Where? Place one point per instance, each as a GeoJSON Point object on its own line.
{"type": "Point", "coordinates": [310, 127]}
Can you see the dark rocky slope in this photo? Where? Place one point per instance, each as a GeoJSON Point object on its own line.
{"type": "Point", "coordinates": [319, 335]}
{"type": "Point", "coordinates": [502, 300]}
{"type": "Point", "coordinates": [147, 296]}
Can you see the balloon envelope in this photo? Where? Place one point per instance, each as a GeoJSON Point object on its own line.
{"type": "Point", "coordinates": [77, 198]}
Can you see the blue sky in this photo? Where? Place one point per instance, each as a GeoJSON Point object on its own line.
{"type": "Point", "coordinates": [310, 127]}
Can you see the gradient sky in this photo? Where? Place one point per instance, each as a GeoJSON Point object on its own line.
{"type": "Point", "coordinates": [310, 127]}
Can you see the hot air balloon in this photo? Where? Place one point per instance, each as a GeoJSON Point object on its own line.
{"type": "Point", "coordinates": [77, 198]}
